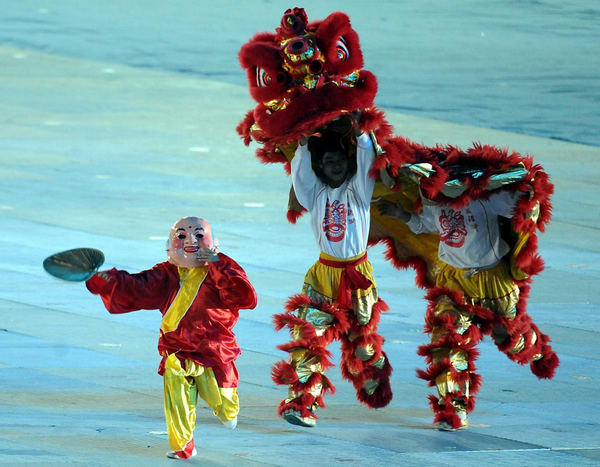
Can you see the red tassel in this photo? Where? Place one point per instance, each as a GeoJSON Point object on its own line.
{"type": "Point", "coordinates": [546, 366]}
{"type": "Point", "coordinates": [380, 398]}
{"type": "Point", "coordinates": [293, 216]}
{"type": "Point", "coordinates": [283, 373]}
{"type": "Point", "coordinates": [434, 371]}
{"type": "Point", "coordinates": [298, 406]}
{"type": "Point", "coordinates": [297, 301]}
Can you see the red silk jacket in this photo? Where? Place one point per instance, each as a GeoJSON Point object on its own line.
{"type": "Point", "coordinates": [205, 333]}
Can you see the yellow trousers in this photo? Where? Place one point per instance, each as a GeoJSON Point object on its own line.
{"type": "Point", "coordinates": [492, 288]}
{"type": "Point", "coordinates": [182, 388]}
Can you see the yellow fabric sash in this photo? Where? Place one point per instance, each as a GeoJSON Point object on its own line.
{"type": "Point", "coordinates": [190, 280]}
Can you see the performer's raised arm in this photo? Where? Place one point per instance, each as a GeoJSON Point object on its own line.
{"type": "Point", "coordinates": [365, 155]}
{"type": "Point", "coordinates": [305, 181]}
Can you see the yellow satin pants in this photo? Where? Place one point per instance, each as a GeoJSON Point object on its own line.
{"type": "Point", "coordinates": [182, 388]}
{"type": "Point", "coordinates": [492, 288]}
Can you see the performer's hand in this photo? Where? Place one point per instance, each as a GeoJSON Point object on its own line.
{"type": "Point", "coordinates": [101, 281]}
{"type": "Point", "coordinates": [103, 275]}
{"type": "Point", "coordinates": [356, 117]}
{"type": "Point", "coordinates": [387, 208]}
{"type": "Point", "coordinates": [209, 255]}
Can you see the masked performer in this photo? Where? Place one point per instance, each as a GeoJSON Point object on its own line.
{"type": "Point", "coordinates": [330, 176]}
{"type": "Point", "coordinates": [306, 74]}
{"type": "Point", "coordinates": [199, 292]}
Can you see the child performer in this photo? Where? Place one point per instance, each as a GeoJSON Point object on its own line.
{"type": "Point", "coordinates": [199, 292]}
{"type": "Point", "coordinates": [474, 292]}
{"type": "Point", "coordinates": [339, 299]}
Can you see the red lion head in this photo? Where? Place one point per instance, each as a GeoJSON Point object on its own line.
{"type": "Point", "coordinates": [302, 76]}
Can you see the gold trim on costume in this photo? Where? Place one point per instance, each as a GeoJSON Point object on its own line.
{"type": "Point", "coordinates": [534, 214]}
{"type": "Point", "coordinates": [463, 320]}
{"type": "Point", "coordinates": [459, 360]}
{"type": "Point", "coordinates": [379, 363]}
{"type": "Point", "coordinates": [190, 281]}
{"type": "Point", "coordinates": [363, 306]}
{"type": "Point", "coordinates": [370, 386]}
{"type": "Point", "coordinates": [320, 320]}
{"type": "Point", "coordinates": [305, 364]}
{"type": "Point", "coordinates": [364, 353]}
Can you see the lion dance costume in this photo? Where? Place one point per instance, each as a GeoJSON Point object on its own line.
{"type": "Point", "coordinates": [307, 74]}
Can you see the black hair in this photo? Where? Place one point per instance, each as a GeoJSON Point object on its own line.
{"type": "Point", "coordinates": [331, 141]}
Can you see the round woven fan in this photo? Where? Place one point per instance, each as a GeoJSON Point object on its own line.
{"type": "Point", "coordinates": [78, 264]}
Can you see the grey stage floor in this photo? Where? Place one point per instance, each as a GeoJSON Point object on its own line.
{"type": "Point", "coordinates": [102, 155]}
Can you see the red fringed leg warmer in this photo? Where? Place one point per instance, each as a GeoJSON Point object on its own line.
{"type": "Point", "coordinates": [451, 354]}
{"type": "Point", "coordinates": [363, 361]}
{"type": "Point", "coordinates": [312, 326]}
{"type": "Point", "coordinates": [522, 341]}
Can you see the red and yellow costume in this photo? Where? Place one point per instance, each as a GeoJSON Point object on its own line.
{"type": "Point", "coordinates": [339, 298]}
{"type": "Point", "coordinates": [306, 74]}
{"type": "Point", "coordinates": [339, 301]}
{"type": "Point", "coordinates": [200, 307]}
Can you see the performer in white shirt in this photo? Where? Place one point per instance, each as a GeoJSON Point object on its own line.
{"type": "Point", "coordinates": [470, 237]}
{"type": "Point", "coordinates": [339, 300]}
{"type": "Point", "coordinates": [474, 294]}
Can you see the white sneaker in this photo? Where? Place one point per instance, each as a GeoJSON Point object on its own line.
{"type": "Point", "coordinates": [231, 424]}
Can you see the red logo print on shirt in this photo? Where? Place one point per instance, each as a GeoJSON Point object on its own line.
{"type": "Point", "coordinates": [453, 230]}
{"type": "Point", "coordinates": [334, 222]}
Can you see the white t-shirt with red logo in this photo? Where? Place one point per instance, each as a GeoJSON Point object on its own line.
{"type": "Point", "coordinates": [340, 216]}
{"type": "Point", "coordinates": [470, 237]}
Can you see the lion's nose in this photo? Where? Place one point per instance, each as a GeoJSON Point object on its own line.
{"type": "Point", "coordinates": [298, 46]}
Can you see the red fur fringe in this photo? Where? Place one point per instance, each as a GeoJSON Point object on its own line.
{"type": "Point", "coordinates": [546, 367]}
{"type": "Point", "coordinates": [445, 411]}
{"type": "Point", "coordinates": [243, 127]}
{"type": "Point", "coordinates": [301, 405]}
{"type": "Point", "coordinates": [383, 394]}
{"type": "Point", "coordinates": [339, 325]}
{"type": "Point", "coordinates": [458, 299]}
{"type": "Point", "coordinates": [415, 262]}
{"type": "Point", "coordinates": [522, 325]}
{"type": "Point", "coordinates": [283, 373]}
{"type": "Point", "coordinates": [312, 110]}
{"type": "Point", "coordinates": [289, 320]}
{"type": "Point", "coordinates": [371, 327]}
{"type": "Point", "coordinates": [270, 156]}
{"type": "Point", "coordinates": [293, 216]}
{"type": "Point", "coordinates": [314, 346]}
{"type": "Point", "coordinates": [296, 301]}
{"type": "Point", "coordinates": [380, 398]}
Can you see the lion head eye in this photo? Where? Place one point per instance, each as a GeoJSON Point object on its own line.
{"type": "Point", "coordinates": [263, 79]}
{"type": "Point", "coordinates": [341, 50]}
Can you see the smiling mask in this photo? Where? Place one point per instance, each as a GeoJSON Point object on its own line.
{"type": "Point", "coordinates": [187, 238]}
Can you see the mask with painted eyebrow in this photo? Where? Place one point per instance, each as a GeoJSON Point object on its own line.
{"type": "Point", "coordinates": [188, 238]}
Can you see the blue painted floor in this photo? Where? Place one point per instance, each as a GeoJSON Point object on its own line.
{"type": "Point", "coordinates": [102, 155]}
